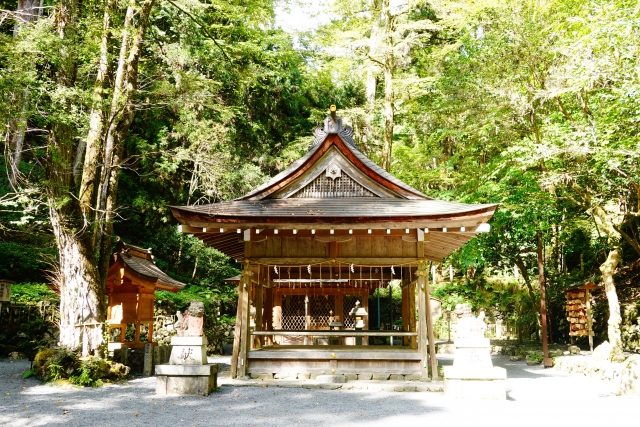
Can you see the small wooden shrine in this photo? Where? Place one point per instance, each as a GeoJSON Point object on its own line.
{"type": "Point", "coordinates": [317, 239]}
{"type": "Point", "coordinates": [578, 307]}
{"type": "Point", "coordinates": [132, 281]}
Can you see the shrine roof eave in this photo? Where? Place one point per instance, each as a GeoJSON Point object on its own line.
{"type": "Point", "coordinates": [147, 272]}
{"type": "Point", "coordinates": [381, 213]}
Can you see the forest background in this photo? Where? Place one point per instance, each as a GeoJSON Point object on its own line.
{"type": "Point", "coordinates": [112, 111]}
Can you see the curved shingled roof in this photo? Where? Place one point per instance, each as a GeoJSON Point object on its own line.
{"type": "Point", "coordinates": [139, 262]}
{"type": "Point", "coordinates": [302, 161]}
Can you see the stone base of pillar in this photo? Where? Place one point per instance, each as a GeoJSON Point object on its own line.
{"type": "Point", "coordinates": [481, 383]}
{"type": "Point", "coordinates": [199, 380]}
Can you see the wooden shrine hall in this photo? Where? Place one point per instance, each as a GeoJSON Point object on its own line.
{"type": "Point", "coordinates": [319, 238]}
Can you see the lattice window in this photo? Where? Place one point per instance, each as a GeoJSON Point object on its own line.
{"type": "Point", "coordinates": [293, 314]}
{"type": "Point", "coordinates": [324, 187]}
{"type": "Point", "coordinates": [293, 317]}
{"type": "Point", "coordinates": [348, 304]}
{"type": "Point", "coordinates": [319, 307]}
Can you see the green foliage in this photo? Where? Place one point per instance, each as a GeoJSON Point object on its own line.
{"type": "Point", "coordinates": [168, 303]}
{"type": "Point", "coordinates": [534, 106]}
{"type": "Point", "coordinates": [26, 336]}
{"type": "Point", "coordinates": [385, 305]}
{"type": "Point", "coordinates": [534, 357]}
{"type": "Point", "coordinates": [58, 363]}
{"type": "Point", "coordinates": [54, 364]}
{"type": "Point", "coordinates": [28, 374]}
{"type": "Point", "coordinates": [32, 293]}
{"type": "Point", "coordinates": [24, 260]}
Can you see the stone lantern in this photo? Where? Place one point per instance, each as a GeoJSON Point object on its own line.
{"type": "Point", "coordinates": [358, 312]}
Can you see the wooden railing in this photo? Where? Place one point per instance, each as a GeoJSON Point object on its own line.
{"type": "Point", "coordinates": [326, 333]}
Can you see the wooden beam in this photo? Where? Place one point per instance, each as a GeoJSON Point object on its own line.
{"type": "Point", "coordinates": [326, 232]}
{"type": "Point", "coordinates": [304, 261]}
{"type": "Point", "coordinates": [286, 225]}
{"type": "Point", "coordinates": [187, 229]}
{"type": "Point", "coordinates": [326, 275]}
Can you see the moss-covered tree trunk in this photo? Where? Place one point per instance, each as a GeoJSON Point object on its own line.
{"type": "Point", "coordinates": [387, 71]}
{"type": "Point", "coordinates": [84, 241]}
{"type": "Point", "coordinates": [82, 300]}
{"type": "Point", "coordinates": [608, 268]}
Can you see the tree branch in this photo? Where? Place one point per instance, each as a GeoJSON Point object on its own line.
{"type": "Point", "coordinates": [204, 29]}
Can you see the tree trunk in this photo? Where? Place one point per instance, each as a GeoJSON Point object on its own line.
{"type": "Point", "coordinates": [387, 70]}
{"type": "Point", "coordinates": [82, 279]}
{"type": "Point", "coordinates": [372, 75]}
{"type": "Point", "coordinates": [527, 280]}
{"type": "Point", "coordinates": [91, 154]}
{"type": "Point", "coordinates": [607, 269]}
{"type": "Point", "coordinates": [123, 108]}
{"type": "Point", "coordinates": [82, 311]}
{"type": "Point", "coordinates": [28, 11]}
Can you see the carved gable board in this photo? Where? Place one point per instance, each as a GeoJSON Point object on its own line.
{"type": "Point", "coordinates": [333, 176]}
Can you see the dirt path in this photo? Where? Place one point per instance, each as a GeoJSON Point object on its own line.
{"type": "Point", "coordinates": [535, 397]}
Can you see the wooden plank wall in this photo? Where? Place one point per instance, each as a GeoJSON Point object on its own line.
{"type": "Point", "coordinates": [358, 246]}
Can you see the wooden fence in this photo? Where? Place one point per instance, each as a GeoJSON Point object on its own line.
{"type": "Point", "coordinates": [12, 313]}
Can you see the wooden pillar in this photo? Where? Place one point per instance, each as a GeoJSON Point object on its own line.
{"type": "Point", "coordinates": [365, 305]}
{"type": "Point", "coordinates": [236, 335]}
{"type": "Point", "coordinates": [405, 313]}
{"type": "Point", "coordinates": [413, 343]}
{"type": "Point", "coordinates": [422, 330]}
{"type": "Point", "coordinates": [340, 305]}
{"type": "Point", "coordinates": [267, 318]}
{"type": "Point", "coordinates": [259, 305]}
{"type": "Point", "coordinates": [587, 294]}
{"type": "Point", "coordinates": [245, 334]}
{"type": "Point", "coordinates": [430, 335]}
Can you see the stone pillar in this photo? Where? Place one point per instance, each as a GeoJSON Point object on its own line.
{"type": "Point", "coordinates": [147, 367]}
{"type": "Point", "coordinates": [157, 357]}
{"type": "Point", "coordinates": [124, 354]}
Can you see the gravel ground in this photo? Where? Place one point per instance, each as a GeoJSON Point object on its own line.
{"type": "Point", "coordinates": [535, 397]}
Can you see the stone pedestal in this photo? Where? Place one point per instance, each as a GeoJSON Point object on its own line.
{"type": "Point", "coordinates": [472, 353]}
{"type": "Point", "coordinates": [188, 351]}
{"type": "Point", "coordinates": [472, 375]}
{"type": "Point", "coordinates": [482, 383]}
{"type": "Point", "coordinates": [187, 372]}
{"type": "Point", "coordinates": [187, 379]}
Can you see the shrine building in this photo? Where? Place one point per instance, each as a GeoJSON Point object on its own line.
{"type": "Point", "coordinates": [315, 241]}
